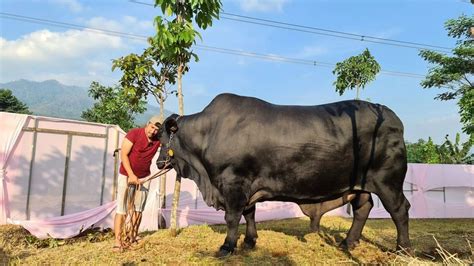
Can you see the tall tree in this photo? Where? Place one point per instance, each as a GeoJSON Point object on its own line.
{"type": "Point", "coordinates": [112, 107]}
{"type": "Point", "coordinates": [455, 72]}
{"type": "Point", "coordinates": [9, 103]}
{"type": "Point", "coordinates": [146, 74]}
{"type": "Point", "coordinates": [355, 72]}
{"type": "Point", "coordinates": [175, 37]}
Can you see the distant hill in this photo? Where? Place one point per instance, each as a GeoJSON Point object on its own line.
{"type": "Point", "coordinates": [51, 98]}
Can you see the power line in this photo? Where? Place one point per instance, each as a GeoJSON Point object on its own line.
{"type": "Point", "coordinates": [324, 32]}
{"type": "Point", "coordinates": [275, 58]}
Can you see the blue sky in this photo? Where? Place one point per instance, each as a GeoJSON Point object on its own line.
{"type": "Point", "coordinates": [77, 57]}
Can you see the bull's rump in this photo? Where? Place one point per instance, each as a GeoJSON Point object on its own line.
{"type": "Point", "coordinates": [302, 151]}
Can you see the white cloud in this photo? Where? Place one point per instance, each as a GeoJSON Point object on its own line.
{"type": "Point", "coordinates": [44, 46]}
{"type": "Point", "coordinates": [73, 57]}
{"type": "Point", "coordinates": [262, 5]}
{"type": "Point", "coordinates": [73, 5]}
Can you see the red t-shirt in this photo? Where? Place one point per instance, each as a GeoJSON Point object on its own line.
{"type": "Point", "coordinates": [141, 154]}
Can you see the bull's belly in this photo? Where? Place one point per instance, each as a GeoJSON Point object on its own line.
{"type": "Point", "coordinates": [303, 189]}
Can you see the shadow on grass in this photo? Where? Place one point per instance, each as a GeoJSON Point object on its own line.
{"type": "Point", "coordinates": [256, 256]}
{"type": "Point", "coordinates": [291, 227]}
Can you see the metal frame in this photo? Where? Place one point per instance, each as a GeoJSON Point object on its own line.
{"type": "Point", "coordinates": [104, 164]}
{"type": "Point", "coordinates": [32, 162]}
{"type": "Point", "coordinates": [70, 135]}
{"type": "Point", "coordinates": [116, 156]}
{"type": "Point", "coordinates": [66, 172]}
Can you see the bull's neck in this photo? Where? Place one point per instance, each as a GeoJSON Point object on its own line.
{"type": "Point", "coordinates": [190, 132]}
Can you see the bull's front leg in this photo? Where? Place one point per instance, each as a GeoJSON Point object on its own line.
{"type": "Point", "coordinates": [232, 219]}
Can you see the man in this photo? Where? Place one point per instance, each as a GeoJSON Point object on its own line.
{"type": "Point", "coordinates": [138, 149]}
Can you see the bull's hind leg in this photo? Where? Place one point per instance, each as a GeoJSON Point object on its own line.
{"type": "Point", "coordinates": [397, 205]}
{"type": "Point", "coordinates": [316, 210]}
{"type": "Point", "coordinates": [313, 211]}
{"type": "Point", "coordinates": [361, 207]}
{"type": "Point", "coordinates": [251, 232]}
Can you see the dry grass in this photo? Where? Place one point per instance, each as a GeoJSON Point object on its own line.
{"type": "Point", "coordinates": [284, 242]}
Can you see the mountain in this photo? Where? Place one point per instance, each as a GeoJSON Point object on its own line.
{"type": "Point", "coordinates": [51, 98]}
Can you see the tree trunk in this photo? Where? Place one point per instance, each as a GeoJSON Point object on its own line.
{"type": "Point", "coordinates": [161, 219]}
{"type": "Point", "coordinates": [357, 95]}
{"type": "Point", "coordinates": [177, 185]}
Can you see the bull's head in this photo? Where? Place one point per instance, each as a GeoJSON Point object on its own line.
{"type": "Point", "coordinates": [166, 134]}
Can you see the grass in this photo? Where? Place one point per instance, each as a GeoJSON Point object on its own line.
{"type": "Point", "coordinates": [284, 242]}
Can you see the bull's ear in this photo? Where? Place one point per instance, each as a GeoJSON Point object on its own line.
{"type": "Point", "coordinates": [171, 125]}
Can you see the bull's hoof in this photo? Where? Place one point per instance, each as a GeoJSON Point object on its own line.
{"type": "Point", "coordinates": [224, 251]}
{"type": "Point", "coordinates": [249, 243]}
{"type": "Point", "coordinates": [348, 245]}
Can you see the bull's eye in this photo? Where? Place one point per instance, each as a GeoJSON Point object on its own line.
{"type": "Point", "coordinates": [170, 153]}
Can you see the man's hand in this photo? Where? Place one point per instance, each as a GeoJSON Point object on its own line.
{"type": "Point", "coordinates": [133, 180]}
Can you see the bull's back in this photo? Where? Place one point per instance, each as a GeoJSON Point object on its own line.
{"type": "Point", "coordinates": [315, 148]}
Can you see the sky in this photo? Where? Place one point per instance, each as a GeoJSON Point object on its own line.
{"type": "Point", "coordinates": [55, 39]}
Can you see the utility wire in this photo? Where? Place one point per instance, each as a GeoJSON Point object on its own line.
{"type": "Point", "coordinates": [275, 58]}
{"type": "Point", "coordinates": [324, 32]}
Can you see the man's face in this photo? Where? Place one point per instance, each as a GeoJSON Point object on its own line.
{"type": "Point", "coordinates": [151, 130]}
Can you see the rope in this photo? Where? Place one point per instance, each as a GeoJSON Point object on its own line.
{"type": "Point", "coordinates": [129, 230]}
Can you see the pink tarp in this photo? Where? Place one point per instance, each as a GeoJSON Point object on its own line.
{"type": "Point", "coordinates": [11, 125]}
{"type": "Point", "coordinates": [434, 191]}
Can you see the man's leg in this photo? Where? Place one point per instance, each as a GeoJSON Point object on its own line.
{"type": "Point", "coordinates": [120, 210]}
{"type": "Point", "coordinates": [140, 201]}
{"type": "Point", "coordinates": [118, 224]}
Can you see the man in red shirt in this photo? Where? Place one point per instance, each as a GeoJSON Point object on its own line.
{"type": "Point", "coordinates": [138, 149]}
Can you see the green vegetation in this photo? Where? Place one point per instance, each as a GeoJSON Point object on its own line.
{"type": "Point", "coordinates": [286, 242]}
{"type": "Point", "coordinates": [112, 107]}
{"type": "Point", "coordinates": [454, 73]}
{"type": "Point", "coordinates": [447, 153]}
{"type": "Point", "coordinates": [175, 37]}
{"type": "Point", "coordinates": [9, 103]}
{"type": "Point", "coordinates": [146, 74]}
{"type": "Point", "coordinates": [355, 72]}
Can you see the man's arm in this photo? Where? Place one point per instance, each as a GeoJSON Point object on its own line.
{"type": "Point", "coordinates": [126, 148]}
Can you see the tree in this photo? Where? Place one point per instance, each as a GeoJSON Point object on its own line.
{"type": "Point", "coordinates": [146, 74]}
{"type": "Point", "coordinates": [174, 38]}
{"type": "Point", "coordinates": [9, 103]}
{"type": "Point", "coordinates": [112, 107]}
{"type": "Point", "coordinates": [454, 72]}
{"type": "Point", "coordinates": [355, 72]}
{"type": "Point", "coordinates": [457, 152]}
{"type": "Point", "coordinates": [423, 152]}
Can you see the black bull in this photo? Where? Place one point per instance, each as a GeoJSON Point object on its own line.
{"type": "Point", "coordinates": [242, 150]}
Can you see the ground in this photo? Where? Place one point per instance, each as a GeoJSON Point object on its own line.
{"type": "Point", "coordinates": [285, 242]}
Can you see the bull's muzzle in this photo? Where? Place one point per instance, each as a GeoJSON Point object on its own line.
{"type": "Point", "coordinates": [166, 163]}
{"type": "Point", "coordinates": [160, 164]}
